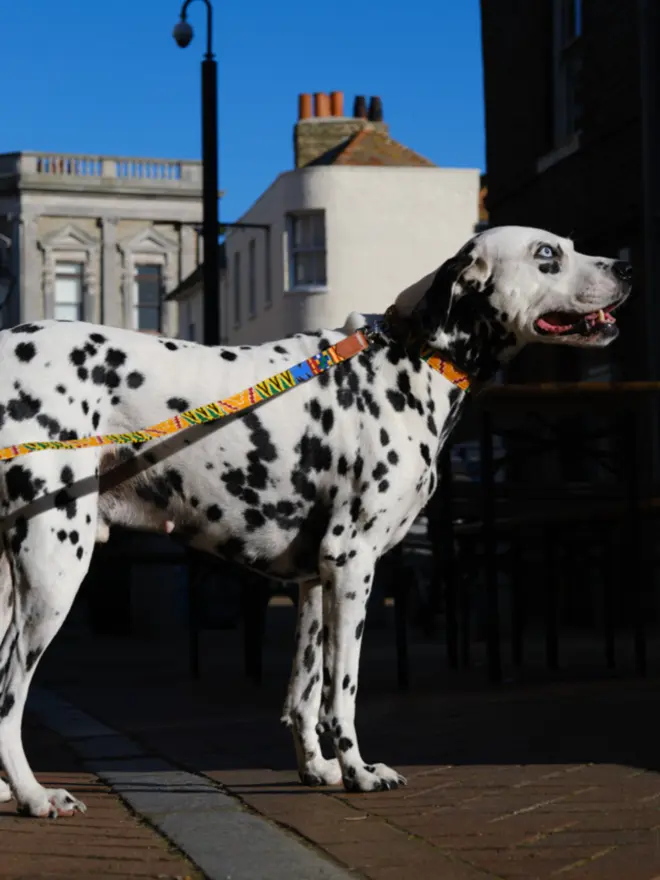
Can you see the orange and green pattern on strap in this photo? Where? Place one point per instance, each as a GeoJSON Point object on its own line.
{"type": "Point", "coordinates": [280, 382]}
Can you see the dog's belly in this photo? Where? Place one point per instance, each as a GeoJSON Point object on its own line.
{"type": "Point", "coordinates": [278, 535]}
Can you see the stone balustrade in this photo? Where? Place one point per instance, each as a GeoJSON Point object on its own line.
{"type": "Point", "coordinates": [38, 170]}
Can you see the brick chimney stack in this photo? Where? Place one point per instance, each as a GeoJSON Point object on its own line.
{"type": "Point", "coordinates": [325, 128]}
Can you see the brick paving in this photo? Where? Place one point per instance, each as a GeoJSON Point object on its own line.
{"type": "Point", "coordinates": [521, 781]}
{"type": "Point", "coordinates": [107, 841]}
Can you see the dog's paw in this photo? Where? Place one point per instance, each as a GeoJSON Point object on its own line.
{"type": "Point", "coordinates": [321, 772]}
{"type": "Point", "coordinates": [51, 803]}
{"type": "Point", "coordinates": [5, 792]}
{"type": "Point", "coordinates": [372, 777]}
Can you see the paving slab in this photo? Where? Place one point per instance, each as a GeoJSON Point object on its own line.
{"type": "Point", "coordinates": [215, 830]}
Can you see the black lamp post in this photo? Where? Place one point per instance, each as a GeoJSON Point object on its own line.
{"type": "Point", "coordinates": [183, 34]}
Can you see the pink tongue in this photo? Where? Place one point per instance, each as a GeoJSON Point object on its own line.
{"type": "Point", "coordinates": [553, 328]}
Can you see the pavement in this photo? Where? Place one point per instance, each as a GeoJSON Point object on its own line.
{"type": "Point", "coordinates": [532, 779]}
{"type": "Point", "coordinates": [110, 840]}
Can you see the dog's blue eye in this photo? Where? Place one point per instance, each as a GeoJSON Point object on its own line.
{"type": "Point", "coordinates": [545, 252]}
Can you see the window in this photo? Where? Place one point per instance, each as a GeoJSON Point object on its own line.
{"type": "Point", "coordinates": [307, 250]}
{"type": "Point", "coordinates": [68, 304]}
{"type": "Point", "coordinates": [237, 288]}
{"type": "Point", "coordinates": [147, 293]}
{"type": "Point", "coordinates": [252, 278]}
{"type": "Point", "coordinates": [567, 69]}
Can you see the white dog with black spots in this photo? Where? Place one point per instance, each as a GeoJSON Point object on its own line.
{"type": "Point", "coordinates": [314, 485]}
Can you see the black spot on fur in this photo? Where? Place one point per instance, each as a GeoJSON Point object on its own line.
{"type": "Point", "coordinates": [162, 489]}
{"type": "Point", "coordinates": [32, 657]}
{"type": "Point", "coordinates": [25, 351]}
{"type": "Point", "coordinates": [228, 355]}
{"type": "Point", "coordinates": [397, 399]}
{"type": "Point", "coordinates": [309, 657]}
{"type": "Point", "coordinates": [78, 357]}
{"type": "Point", "coordinates": [178, 404]}
{"type": "Point", "coordinates": [359, 629]}
{"type": "Point", "coordinates": [26, 328]}
{"type": "Point", "coordinates": [21, 484]}
{"type": "Point", "coordinates": [115, 358]}
{"type": "Point", "coordinates": [254, 519]}
{"type": "Point", "coordinates": [9, 700]}
{"type": "Point", "coordinates": [213, 513]}
{"type": "Point", "coordinates": [328, 420]}
{"type": "Point", "coordinates": [19, 534]}
{"type": "Point", "coordinates": [379, 471]}
{"type": "Point", "coordinates": [134, 379]}
{"type": "Point", "coordinates": [50, 424]}
{"type": "Point", "coordinates": [23, 407]}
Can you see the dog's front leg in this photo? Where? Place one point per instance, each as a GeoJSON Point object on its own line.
{"type": "Point", "coordinates": [303, 702]}
{"type": "Point", "coordinates": [347, 585]}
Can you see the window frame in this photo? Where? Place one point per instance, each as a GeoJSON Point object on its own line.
{"type": "Point", "coordinates": [320, 282]}
{"type": "Point", "coordinates": [236, 287]}
{"type": "Point", "coordinates": [137, 308]}
{"type": "Point", "coordinates": [252, 279]}
{"type": "Point", "coordinates": [568, 28]}
{"type": "Point", "coordinates": [78, 275]}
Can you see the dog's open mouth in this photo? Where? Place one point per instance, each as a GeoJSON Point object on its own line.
{"type": "Point", "coordinates": [574, 324]}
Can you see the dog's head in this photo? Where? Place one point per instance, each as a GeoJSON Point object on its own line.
{"type": "Point", "coordinates": [512, 285]}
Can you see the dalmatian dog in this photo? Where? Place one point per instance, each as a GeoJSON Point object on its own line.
{"type": "Point", "coordinates": [312, 486]}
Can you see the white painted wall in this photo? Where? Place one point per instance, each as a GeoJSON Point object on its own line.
{"type": "Point", "coordinates": [385, 229]}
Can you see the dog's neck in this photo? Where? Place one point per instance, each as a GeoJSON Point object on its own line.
{"type": "Point", "coordinates": [463, 330]}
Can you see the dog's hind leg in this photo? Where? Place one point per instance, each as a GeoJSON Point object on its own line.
{"type": "Point", "coordinates": [303, 702]}
{"type": "Point", "coordinates": [46, 555]}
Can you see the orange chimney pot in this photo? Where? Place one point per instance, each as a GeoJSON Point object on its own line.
{"type": "Point", "coordinates": [304, 106]}
{"type": "Point", "coordinates": [336, 103]}
{"type": "Point", "coordinates": [322, 105]}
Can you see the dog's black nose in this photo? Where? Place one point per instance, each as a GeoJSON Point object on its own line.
{"type": "Point", "coordinates": [622, 270]}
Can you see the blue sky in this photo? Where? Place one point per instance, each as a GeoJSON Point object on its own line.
{"type": "Point", "coordinates": [93, 77]}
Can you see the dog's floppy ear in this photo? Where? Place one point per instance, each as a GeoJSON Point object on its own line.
{"type": "Point", "coordinates": [467, 271]}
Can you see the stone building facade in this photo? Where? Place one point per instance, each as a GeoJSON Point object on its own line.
{"type": "Point", "coordinates": [97, 238]}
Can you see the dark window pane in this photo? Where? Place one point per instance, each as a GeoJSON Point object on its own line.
{"type": "Point", "coordinates": [148, 318]}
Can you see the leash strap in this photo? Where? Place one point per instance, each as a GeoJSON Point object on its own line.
{"type": "Point", "coordinates": [245, 400]}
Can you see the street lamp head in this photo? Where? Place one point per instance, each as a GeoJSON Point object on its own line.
{"type": "Point", "coordinates": [182, 33]}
